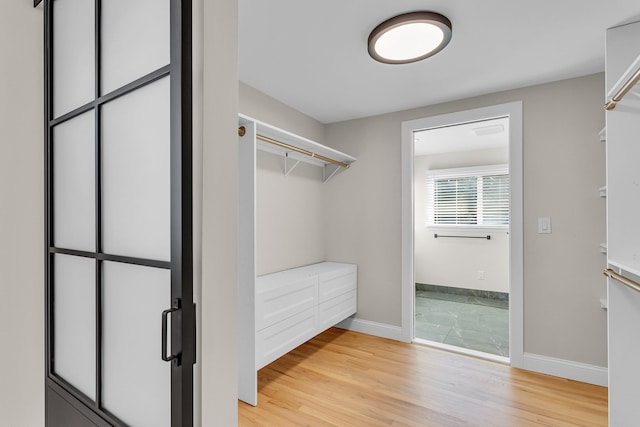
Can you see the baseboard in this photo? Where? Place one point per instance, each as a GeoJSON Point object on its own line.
{"type": "Point", "coordinates": [372, 328]}
{"type": "Point", "coordinates": [566, 369]}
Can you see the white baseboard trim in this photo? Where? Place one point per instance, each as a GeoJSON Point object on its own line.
{"type": "Point", "coordinates": [566, 369]}
{"type": "Point", "coordinates": [372, 328]}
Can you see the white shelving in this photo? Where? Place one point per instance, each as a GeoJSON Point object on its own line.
{"type": "Point", "coordinates": [603, 191]}
{"type": "Point", "coordinates": [280, 311]}
{"type": "Point", "coordinates": [277, 134]}
{"type": "Point", "coordinates": [623, 227]}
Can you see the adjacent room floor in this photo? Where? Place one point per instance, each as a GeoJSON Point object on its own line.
{"type": "Point", "coordinates": [469, 319]}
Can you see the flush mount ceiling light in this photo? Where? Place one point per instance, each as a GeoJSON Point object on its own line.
{"type": "Point", "coordinates": [409, 37]}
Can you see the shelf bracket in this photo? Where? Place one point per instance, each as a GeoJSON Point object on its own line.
{"type": "Point", "coordinates": [289, 170]}
{"type": "Point", "coordinates": [326, 178]}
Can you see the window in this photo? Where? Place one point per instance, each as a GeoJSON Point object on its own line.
{"type": "Point", "coordinates": [468, 197]}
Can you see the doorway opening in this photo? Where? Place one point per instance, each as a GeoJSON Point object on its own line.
{"type": "Point", "coordinates": [461, 236]}
{"type": "Point", "coordinates": [462, 232]}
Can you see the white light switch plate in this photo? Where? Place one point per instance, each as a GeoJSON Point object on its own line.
{"type": "Point", "coordinates": [544, 225]}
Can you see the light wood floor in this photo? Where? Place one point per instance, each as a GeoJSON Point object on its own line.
{"type": "Point", "coordinates": [343, 378]}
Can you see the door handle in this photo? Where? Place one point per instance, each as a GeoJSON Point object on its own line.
{"type": "Point", "coordinates": [165, 315]}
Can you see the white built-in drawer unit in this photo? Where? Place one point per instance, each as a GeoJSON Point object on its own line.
{"type": "Point", "coordinates": [295, 305]}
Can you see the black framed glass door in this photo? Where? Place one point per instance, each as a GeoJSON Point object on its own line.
{"type": "Point", "coordinates": [119, 313]}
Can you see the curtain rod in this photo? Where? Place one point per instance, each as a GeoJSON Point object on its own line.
{"type": "Point", "coordinates": [242, 130]}
{"type": "Point", "coordinates": [635, 78]}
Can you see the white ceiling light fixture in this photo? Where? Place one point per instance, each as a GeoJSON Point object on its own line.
{"type": "Point", "coordinates": [409, 37]}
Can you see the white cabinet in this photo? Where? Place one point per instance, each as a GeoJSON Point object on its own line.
{"type": "Point", "coordinates": [281, 295]}
{"type": "Point", "coordinates": [291, 307]}
{"type": "Point", "coordinates": [295, 305]}
{"type": "Point", "coordinates": [279, 339]}
{"type": "Point", "coordinates": [623, 225]}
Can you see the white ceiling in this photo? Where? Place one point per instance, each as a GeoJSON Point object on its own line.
{"type": "Point", "coordinates": [463, 137]}
{"type": "Point", "coordinates": [312, 55]}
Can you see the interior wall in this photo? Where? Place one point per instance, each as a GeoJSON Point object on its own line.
{"type": "Point", "coordinates": [22, 214]}
{"type": "Point", "coordinates": [289, 209]}
{"type": "Point", "coordinates": [217, 80]}
{"type": "Point", "coordinates": [456, 262]}
{"type": "Point", "coordinates": [266, 109]}
{"type": "Point", "coordinates": [563, 168]}
{"type": "Point", "coordinates": [289, 215]}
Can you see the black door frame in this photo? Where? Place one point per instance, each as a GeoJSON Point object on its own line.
{"type": "Point", "coordinates": [181, 264]}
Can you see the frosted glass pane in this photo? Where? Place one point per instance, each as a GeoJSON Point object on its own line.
{"type": "Point", "coordinates": [136, 173]}
{"type": "Point", "coordinates": [135, 40]}
{"type": "Point", "coordinates": [74, 54]}
{"type": "Point", "coordinates": [74, 183]}
{"type": "Point", "coordinates": [136, 381]}
{"type": "Point", "coordinates": [74, 345]}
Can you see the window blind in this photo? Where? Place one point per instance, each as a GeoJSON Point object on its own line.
{"type": "Point", "coordinates": [476, 197]}
{"type": "Point", "coordinates": [495, 200]}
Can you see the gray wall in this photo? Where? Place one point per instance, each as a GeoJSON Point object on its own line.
{"type": "Point", "coordinates": [218, 332]}
{"type": "Point", "coordinates": [290, 221]}
{"type": "Point", "coordinates": [21, 215]}
{"type": "Point", "coordinates": [289, 215]}
{"type": "Point", "coordinates": [262, 107]}
{"type": "Point", "coordinates": [563, 168]}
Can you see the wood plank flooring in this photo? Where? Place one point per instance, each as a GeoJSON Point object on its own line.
{"type": "Point", "coordinates": [343, 378]}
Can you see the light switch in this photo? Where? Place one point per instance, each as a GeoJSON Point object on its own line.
{"type": "Point", "coordinates": [544, 225]}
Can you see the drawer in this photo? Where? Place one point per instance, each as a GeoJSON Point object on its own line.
{"type": "Point", "coordinates": [338, 282]}
{"type": "Point", "coordinates": [336, 310]}
{"type": "Point", "coordinates": [282, 302]}
{"type": "Point", "coordinates": [284, 336]}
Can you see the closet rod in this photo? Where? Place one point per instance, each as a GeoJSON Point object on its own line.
{"type": "Point", "coordinates": [635, 78]}
{"type": "Point", "coordinates": [242, 130]}
{"type": "Point", "coordinates": [624, 280]}
{"type": "Point", "coordinates": [488, 237]}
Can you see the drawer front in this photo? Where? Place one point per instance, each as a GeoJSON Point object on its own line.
{"type": "Point", "coordinates": [336, 310]}
{"type": "Point", "coordinates": [337, 283]}
{"type": "Point", "coordinates": [284, 336]}
{"type": "Point", "coordinates": [285, 301]}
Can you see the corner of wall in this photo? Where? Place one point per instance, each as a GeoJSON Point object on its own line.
{"type": "Point", "coordinates": [219, 195]}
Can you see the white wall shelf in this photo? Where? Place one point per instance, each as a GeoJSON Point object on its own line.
{"type": "Point", "coordinates": [283, 136]}
{"type": "Point", "coordinates": [603, 134]}
{"type": "Point", "coordinates": [604, 304]}
{"type": "Point", "coordinates": [603, 191]}
{"type": "Point", "coordinates": [623, 228]}
{"type": "Point", "coordinates": [603, 248]}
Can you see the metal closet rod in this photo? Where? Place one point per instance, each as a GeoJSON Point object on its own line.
{"type": "Point", "coordinates": [623, 91]}
{"type": "Point", "coordinates": [242, 130]}
{"type": "Point", "coordinates": [624, 280]}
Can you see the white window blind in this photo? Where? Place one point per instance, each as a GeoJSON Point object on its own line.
{"type": "Point", "coordinates": [468, 197]}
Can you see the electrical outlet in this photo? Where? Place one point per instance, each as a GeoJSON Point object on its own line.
{"type": "Point", "coordinates": [480, 274]}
